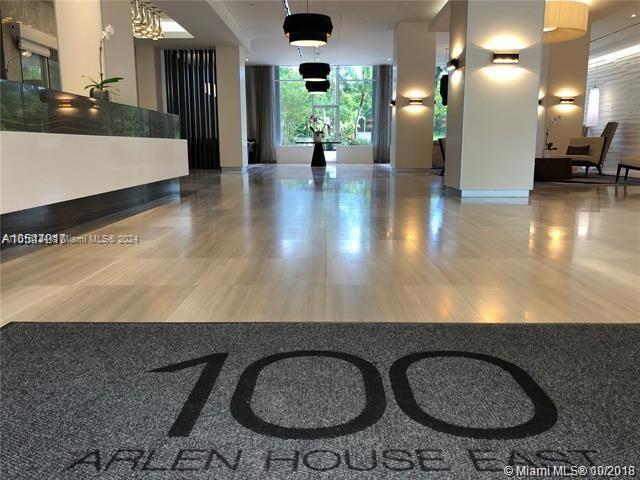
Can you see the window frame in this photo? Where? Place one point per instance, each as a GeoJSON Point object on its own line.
{"type": "Point", "coordinates": [314, 100]}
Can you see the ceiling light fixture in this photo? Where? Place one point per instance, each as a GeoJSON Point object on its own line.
{"type": "Point", "coordinates": [307, 29]}
{"type": "Point", "coordinates": [145, 20]}
{"type": "Point", "coordinates": [565, 20]}
{"type": "Point", "coordinates": [317, 88]}
{"type": "Point", "coordinates": [506, 57]}
{"type": "Point", "coordinates": [314, 71]}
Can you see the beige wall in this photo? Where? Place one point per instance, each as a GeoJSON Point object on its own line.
{"type": "Point", "coordinates": [232, 108]}
{"type": "Point", "coordinates": [78, 25]}
{"type": "Point", "coordinates": [119, 57]}
{"type": "Point", "coordinates": [566, 75]}
{"type": "Point", "coordinates": [412, 126]}
{"type": "Point", "coordinates": [492, 114]}
{"type": "Point", "coordinates": [149, 77]}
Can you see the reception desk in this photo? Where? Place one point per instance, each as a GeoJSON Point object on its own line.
{"type": "Point", "coordinates": [66, 159]}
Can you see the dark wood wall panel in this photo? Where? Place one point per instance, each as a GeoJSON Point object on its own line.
{"type": "Point", "coordinates": [190, 80]}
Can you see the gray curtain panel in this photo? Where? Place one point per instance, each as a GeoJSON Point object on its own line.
{"type": "Point", "coordinates": [382, 114]}
{"type": "Point", "coordinates": [260, 111]}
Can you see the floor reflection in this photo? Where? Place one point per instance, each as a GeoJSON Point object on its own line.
{"type": "Point", "coordinates": [345, 243]}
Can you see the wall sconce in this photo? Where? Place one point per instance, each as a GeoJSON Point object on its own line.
{"type": "Point", "coordinates": [506, 57]}
{"type": "Point", "coordinates": [392, 103]}
{"type": "Point", "coordinates": [64, 104]}
{"type": "Point", "coordinates": [415, 100]}
{"type": "Point", "coordinates": [539, 102]}
{"type": "Point", "coordinates": [453, 64]}
{"type": "Point", "coordinates": [567, 101]}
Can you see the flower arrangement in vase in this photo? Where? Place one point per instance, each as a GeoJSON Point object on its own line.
{"type": "Point", "coordinates": [317, 126]}
{"type": "Point", "coordinates": [547, 144]}
{"type": "Point", "coordinates": [101, 90]}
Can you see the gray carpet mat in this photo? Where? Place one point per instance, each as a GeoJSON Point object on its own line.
{"type": "Point", "coordinates": [318, 401]}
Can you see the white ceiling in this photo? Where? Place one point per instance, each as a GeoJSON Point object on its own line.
{"type": "Point", "coordinates": [362, 29]}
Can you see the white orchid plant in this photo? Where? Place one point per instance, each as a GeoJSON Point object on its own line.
{"type": "Point", "coordinates": [105, 84]}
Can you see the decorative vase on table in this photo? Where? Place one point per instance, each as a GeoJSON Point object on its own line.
{"type": "Point", "coordinates": [102, 95]}
{"type": "Point", "coordinates": [317, 137]}
{"type": "Point", "coordinates": [99, 90]}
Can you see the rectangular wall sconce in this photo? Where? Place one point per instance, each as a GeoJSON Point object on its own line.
{"type": "Point", "coordinates": [453, 64]}
{"type": "Point", "coordinates": [506, 57]}
{"type": "Point", "coordinates": [392, 103]}
{"type": "Point", "coordinates": [567, 101]}
{"type": "Point", "coordinates": [415, 101]}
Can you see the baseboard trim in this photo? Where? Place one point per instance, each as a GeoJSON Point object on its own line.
{"type": "Point", "coordinates": [401, 171]}
{"type": "Point", "coordinates": [234, 169]}
{"type": "Point", "coordinates": [467, 193]}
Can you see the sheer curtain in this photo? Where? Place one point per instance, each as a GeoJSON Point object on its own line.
{"type": "Point", "coordinates": [382, 114]}
{"type": "Point", "coordinates": [261, 111]}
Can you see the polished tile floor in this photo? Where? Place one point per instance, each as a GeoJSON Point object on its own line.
{"type": "Point", "coordinates": [349, 243]}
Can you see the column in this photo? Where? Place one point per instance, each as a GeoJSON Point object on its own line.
{"type": "Point", "coordinates": [149, 78]}
{"type": "Point", "coordinates": [414, 81]}
{"type": "Point", "coordinates": [492, 112]}
{"type": "Point", "coordinates": [232, 109]}
{"type": "Point", "coordinates": [78, 26]}
{"type": "Point", "coordinates": [119, 53]}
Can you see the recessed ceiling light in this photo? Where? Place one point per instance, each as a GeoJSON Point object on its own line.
{"type": "Point", "coordinates": [633, 15]}
{"type": "Point", "coordinates": [388, 59]}
{"type": "Point", "coordinates": [246, 59]}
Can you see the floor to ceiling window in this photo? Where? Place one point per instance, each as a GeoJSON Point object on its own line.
{"type": "Point", "coordinates": [440, 110]}
{"type": "Point", "coordinates": [347, 107]}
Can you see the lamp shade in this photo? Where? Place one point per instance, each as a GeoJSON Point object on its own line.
{"type": "Point", "coordinates": [307, 29]}
{"type": "Point", "coordinates": [565, 20]}
{"type": "Point", "coordinates": [317, 88]}
{"type": "Point", "coordinates": [314, 71]}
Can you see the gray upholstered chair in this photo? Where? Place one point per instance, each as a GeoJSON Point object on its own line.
{"type": "Point", "coordinates": [597, 155]}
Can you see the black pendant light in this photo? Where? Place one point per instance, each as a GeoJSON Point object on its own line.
{"type": "Point", "coordinates": [317, 88]}
{"type": "Point", "coordinates": [307, 29]}
{"type": "Point", "coordinates": [314, 71]}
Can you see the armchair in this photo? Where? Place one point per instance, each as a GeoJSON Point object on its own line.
{"type": "Point", "coordinates": [597, 154]}
{"type": "Point", "coordinates": [591, 159]}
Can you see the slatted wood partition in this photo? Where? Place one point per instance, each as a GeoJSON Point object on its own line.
{"type": "Point", "coordinates": [190, 85]}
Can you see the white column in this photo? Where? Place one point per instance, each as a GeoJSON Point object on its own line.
{"type": "Point", "coordinates": [119, 54]}
{"type": "Point", "coordinates": [414, 77]}
{"type": "Point", "coordinates": [232, 108]}
{"type": "Point", "coordinates": [78, 25]}
{"type": "Point", "coordinates": [565, 66]}
{"type": "Point", "coordinates": [149, 77]}
{"type": "Point", "coordinates": [492, 119]}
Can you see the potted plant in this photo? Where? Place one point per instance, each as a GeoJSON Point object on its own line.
{"type": "Point", "coordinates": [317, 127]}
{"type": "Point", "coordinates": [547, 144]}
{"type": "Point", "coordinates": [100, 90]}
